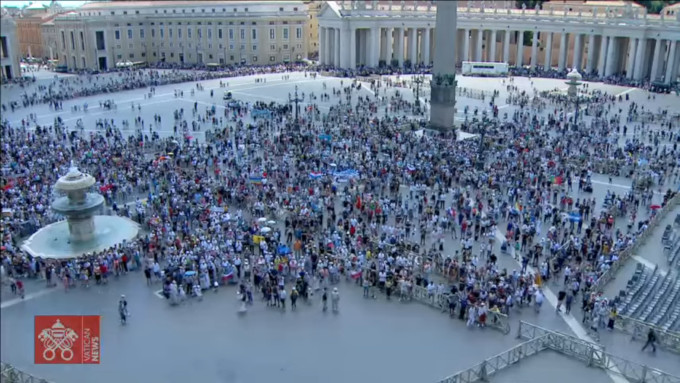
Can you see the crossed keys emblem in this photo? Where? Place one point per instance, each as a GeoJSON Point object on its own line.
{"type": "Point", "coordinates": [58, 337]}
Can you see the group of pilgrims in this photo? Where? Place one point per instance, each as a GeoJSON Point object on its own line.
{"type": "Point", "coordinates": [354, 192]}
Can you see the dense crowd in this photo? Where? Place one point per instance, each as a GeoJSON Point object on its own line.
{"type": "Point", "coordinates": [270, 203]}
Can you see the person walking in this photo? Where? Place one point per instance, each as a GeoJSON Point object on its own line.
{"type": "Point", "coordinates": [335, 300]}
{"type": "Point", "coordinates": [324, 299]}
{"type": "Point", "coordinates": [651, 340]}
{"type": "Point", "coordinates": [293, 298]}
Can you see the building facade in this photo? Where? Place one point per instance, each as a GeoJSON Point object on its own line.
{"type": "Point", "coordinates": [101, 35]}
{"type": "Point", "coordinates": [10, 67]}
{"type": "Point", "coordinates": [621, 41]}
{"type": "Point", "coordinates": [29, 28]}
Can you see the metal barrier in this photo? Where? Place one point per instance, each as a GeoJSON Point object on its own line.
{"type": "Point", "coordinates": [637, 329]}
{"type": "Point", "coordinates": [494, 320]}
{"type": "Point", "coordinates": [594, 355]}
{"type": "Point", "coordinates": [608, 275]}
{"type": "Point", "coordinates": [9, 374]}
{"type": "Point", "coordinates": [491, 366]}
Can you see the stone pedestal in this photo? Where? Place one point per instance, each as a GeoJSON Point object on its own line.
{"type": "Point", "coordinates": [81, 229]}
{"type": "Point", "coordinates": [443, 105]}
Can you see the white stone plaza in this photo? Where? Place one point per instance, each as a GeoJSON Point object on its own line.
{"type": "Point", "coordinates": [369, 340]}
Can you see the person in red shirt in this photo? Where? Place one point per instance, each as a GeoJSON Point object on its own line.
{"type": "Point", "coordinates": [20, 288]}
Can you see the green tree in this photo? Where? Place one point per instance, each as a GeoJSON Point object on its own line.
{"type": "Point", "coordinates": [655, 6]}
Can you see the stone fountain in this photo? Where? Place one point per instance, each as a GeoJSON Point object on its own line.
{"type": "Point", "coordinates": [83, 231]}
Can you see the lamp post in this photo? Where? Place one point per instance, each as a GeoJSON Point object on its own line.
{"type": "Point", "coordinates": [574, 81]}
{"type": "Point", "coordinates": [484, 125]}
{"type": "Point", "coordinates": [297, 99]}
{"type": "Point", "coordinates": [418, 79]}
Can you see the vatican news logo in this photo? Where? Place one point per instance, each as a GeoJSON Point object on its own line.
{"type": "Point", "coordinates": [67, 339]}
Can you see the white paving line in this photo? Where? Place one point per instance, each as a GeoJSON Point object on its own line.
{"type": "Point", "coordinates": [159, 294]}
{"type": "Point", "coordinates": [28, 297]}
{"type": "Point", "coordinates": [573, 324]}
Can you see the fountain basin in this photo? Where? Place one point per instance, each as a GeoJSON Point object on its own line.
{"type": "Point", "coordinates": [55, 242]}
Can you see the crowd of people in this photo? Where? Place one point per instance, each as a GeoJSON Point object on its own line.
{"type": "Point", "coordinates": [290, 208]}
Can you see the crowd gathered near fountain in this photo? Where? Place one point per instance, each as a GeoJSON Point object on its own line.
{"type": "Point", "coordinates": [287, 208]}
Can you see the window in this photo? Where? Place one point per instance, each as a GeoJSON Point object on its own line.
{"type": "Point", "coordinates": [254, 48]}
{"type": "Point", "coordinates": [231, 34]}
{"type": "Point", "coordinates": [141, 33]}
{"type": "Point", "coordinates": [285, 46]}
{"type": "Point", "coordinates": [63, 40]}
{"type": "Point", "coordinates": [272, 33]}
{"type": "Point", "coordinates": [272, 47]}
{"type": "Point", "coordinates": [129, 33]}
{"type": "Point", "coordinates": [280, 9]}
{"type": "Point", "coordinates": [119, 56]}
{"type": "Point", "coordinates": [209, 34]}
{"type": "Point", "coordinates": [188, 33]}
{"type": "Point", "coordinates": [254, 34]}
{"type": "Point", "coordinates": [219, 33]}
{"type": "Point", "coordinates": [132, 55]}
{"type": "Point", "coordinates": [73, 41]}
{"type": "Point", "coordinates": [285, 33]}
{"type": "Point", "coordinates": [254, 59]}
{"type": "Point", "coordinates": [272, 58]}
{"type": "Point", "coordinates": [231, 58]}
{"type": "Point", "coordinates": [295, 9]}
{"type": "Point", "coordinates": [143, 54]}
{"type": "Point", "coordinates": [210, 56]}
{"type": "Point", "coordinates": [117, 33]}
{"type": "Point", "coordinates": [179, 33]}
{"type": "Point", "coordinates": [101, 44]}
{"type": "Point", "coordinates": [243, 34]}
{"type": "Point", "coordinates": [231, 47]}
{"type": "Point", "coordinates": [82, 41]}
{"type": "Point", "coordinates": [162, 31]}
{"type": "Point", "coordinates": [153, 33]}
{"type": "Point", "coordinates": [199, 32]}
{"type": "Point", "coordinates": [298, 33]}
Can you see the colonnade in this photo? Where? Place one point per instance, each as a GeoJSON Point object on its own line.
{"type": "Point", "coordinates": [637, 58]}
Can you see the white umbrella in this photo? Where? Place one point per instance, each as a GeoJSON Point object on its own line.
{"type": "Point", "coordinates": [265, 230]}
{"type": "Point", "coordinates": [262, 219]}
{"type": "Point", "coordinates": [270, 223]}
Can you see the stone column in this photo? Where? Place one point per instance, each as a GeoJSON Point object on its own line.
{"type": "Point", "coordinates": [671, 63]}
{"type": "Point", "coordinates": [479, 50]}
{"type": "Point", "coordinates": [506, 46]}
{"type": "Point", "coordinates": [443, 85]}
{"type": "Point", "coordinates": [492, 42]}
{"type": "Point", "coordinates": [388, 46]}
{"type": "Point", "coordinates": [322, 46]}
{"type": "Point", "coordinates": [591, 54]}
{"type": "Point", "coordinates": [375, 47]}
{"type": "Point", "coordinates": [602, 59]}
{"type": "Point", "coordinates": [466, 45]}
{"type": "Point", "coordinates": [655, 60]}
{"type": "Point", "coordinates": [413, 46]}
{"type": "Point", "coordinates": [426, 45]}
{"type": "Point", "coordinates": [352, 48]}
{"type": "Point", "coordinates": [562, 59]}
{"type": "Point", "coordinates": [399, 35]}
{"type": "Point", "coordinates": [547, 64]}
{"type": "Point", "coordinates": [576, 63]}
{"type": "Point", "coordinates": [630, 64]}
{"type": "Point", "coordinates": [611, 57]}
{"type": "Point", "coordinates": [327, 46]}
{"type": "Point", "coordinates": [640, 58]}
{"type": "Point", "coordinates": [534, 49]}
{"type": "Point", "coordinates": [520, 49]}
{"type": "Point", "coordinates": [344, 47]}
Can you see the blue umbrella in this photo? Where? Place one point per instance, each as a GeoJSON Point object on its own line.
{"type": "Point", "coordinates": [189, 273]}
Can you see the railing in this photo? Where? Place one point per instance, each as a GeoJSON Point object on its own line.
{"type": "Point", "coordinates": [608, 275]}
{"type": "Point", "coordinates": [669, 340]}
{"type": "Point", "coordinates": [594, 355]}
{"type": "Point", "coordinates": [495, 320]}
{"type": "Point", "coordinates": [491, 366]}
{"type": "Point", "coordinates": [9, 374]}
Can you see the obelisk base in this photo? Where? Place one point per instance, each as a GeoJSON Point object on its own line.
{"type": "Point", "coordinates": [442, 106]}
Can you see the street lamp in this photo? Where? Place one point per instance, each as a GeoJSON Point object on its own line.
{"type": "Point", "coordinates": [297, 99]}
{"type": "Point", "coordinates": [418, 79]}
{"type": "Point", "coordinates": [574, 81]}
{"type": "Point", "coordinates": [484, 125]}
